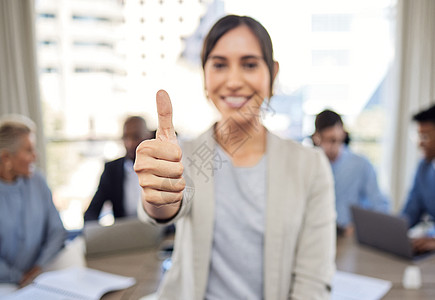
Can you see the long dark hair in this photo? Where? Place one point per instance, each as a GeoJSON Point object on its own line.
{"type": "Point", "coordinates": [229, 22]}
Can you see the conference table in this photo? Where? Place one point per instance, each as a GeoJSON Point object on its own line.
{"type": "Point", "coordinates": [364, 260]}
{"type": "Point", "coordinates": [146, 267]}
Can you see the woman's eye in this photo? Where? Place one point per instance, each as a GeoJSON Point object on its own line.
{"type": "Point", "coordinates": [218, 65]}
{"type": "Point", "coordinates": [250, 65]}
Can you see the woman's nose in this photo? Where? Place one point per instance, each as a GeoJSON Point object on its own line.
{"type": "Point", "coordinates": [235, 78]}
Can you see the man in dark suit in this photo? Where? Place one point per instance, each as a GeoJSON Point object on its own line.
{"type": "Point", "coordinates": [118, 182]}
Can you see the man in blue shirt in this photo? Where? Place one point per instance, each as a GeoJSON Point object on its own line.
{"type": "Point", "coordinates": [421, 198]}
{"type": "Point", "coordinates": [355, 177]}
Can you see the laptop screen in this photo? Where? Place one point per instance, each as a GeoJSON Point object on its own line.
{"type": "Point", "coordinates": [383, 231]}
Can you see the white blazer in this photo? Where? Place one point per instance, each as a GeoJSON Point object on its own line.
{"type": "Point", "coordinates": [299, 248]}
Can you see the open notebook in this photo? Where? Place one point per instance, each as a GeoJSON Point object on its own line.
{"type": "Point", "coordinates": [73, 283]}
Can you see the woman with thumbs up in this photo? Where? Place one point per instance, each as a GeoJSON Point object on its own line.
{"type": "Point", "coordinates": [254, 213]}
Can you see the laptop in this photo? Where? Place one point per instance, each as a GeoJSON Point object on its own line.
{"type": "Point", "coordinates": [125, 234]}
{"type": "Point", "coordinates": [385, 232]}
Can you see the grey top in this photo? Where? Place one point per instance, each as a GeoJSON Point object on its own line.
{"type": "Point", "coordinates": [236, 267]}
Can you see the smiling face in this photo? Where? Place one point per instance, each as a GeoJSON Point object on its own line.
{"type": "Point", "coordinates": [23, 158]}
{"type": "Point", "coordinates": [236, 76]}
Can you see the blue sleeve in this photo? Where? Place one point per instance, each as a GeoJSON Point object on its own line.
{"type": "Point", "coordinates": [9, 274]}
{"type": "Point", "coordinates": [55, 232]}
{"type": "Point", "coordinates": [414, 209]}
{"type": "Point", "coordinates": [371, 191]}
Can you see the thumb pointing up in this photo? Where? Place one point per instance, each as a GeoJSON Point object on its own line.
{"type": "Point", "coordinates": [165, 129]}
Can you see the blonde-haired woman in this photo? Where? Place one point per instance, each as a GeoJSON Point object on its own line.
{"type": "Point", "coordinates": [31, 231]}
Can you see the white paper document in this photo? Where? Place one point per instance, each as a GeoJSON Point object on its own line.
{"type": "Point", "coordinates": [73, 283]}
{"type": "Point", "coordinates": [349, 286]}
{"type": "Point", "coordinates": [149, 297]}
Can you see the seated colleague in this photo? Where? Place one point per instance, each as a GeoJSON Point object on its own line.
{"type": "Point", "coordinates": [355, 177]}
{"type": "Point", "coordinates": [118, 182]}
{"type": "Point", "coordinates": [31, 231]}
{"type": "Point", "coordinates": [421, 198]}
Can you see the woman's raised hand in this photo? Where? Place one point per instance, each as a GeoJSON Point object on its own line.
{"type": "Point", "coordinates": [158, 165]}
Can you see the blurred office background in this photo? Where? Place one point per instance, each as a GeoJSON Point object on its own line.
{"type": "Point", "coordinates": [89, 64]}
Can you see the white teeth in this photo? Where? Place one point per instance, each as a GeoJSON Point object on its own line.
{"type": "Point", "coordinates": [235, 100]}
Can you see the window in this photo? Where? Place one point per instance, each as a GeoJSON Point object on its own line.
{"type": "Point", "coordinates": [328, 92]}
{"type": "Point", "coordinates": [46, 16]}
{"type": "Point", "coordinates": [331, 22]}
{"type": "Point", "coordinates": [49, 70]}
{"type": "Point", "coordinates": [83, 18]}
{"type": "Point", "coordinates": [92, 77]}
{"type": "Point", "coordinates": [330, 58]}
{"type": "Point", "coordinates": [93, 44]}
